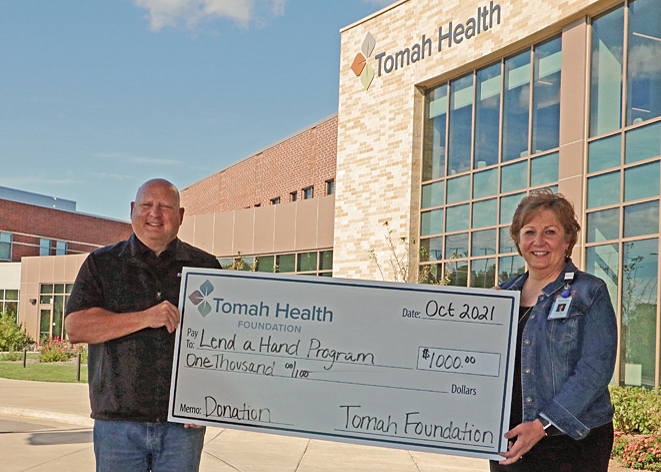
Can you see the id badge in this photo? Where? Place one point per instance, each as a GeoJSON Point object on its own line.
{"type": "Point", "coordinates": [560, 308]}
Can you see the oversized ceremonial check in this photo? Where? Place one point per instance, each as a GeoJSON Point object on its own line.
{"type": "Point", "coordinates": [398, 365]}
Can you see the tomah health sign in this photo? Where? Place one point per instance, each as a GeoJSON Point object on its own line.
{"type": "Point", "coordinates": [397, 365]}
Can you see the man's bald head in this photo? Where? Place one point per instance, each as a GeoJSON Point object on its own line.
{"type": "Point", "coordinates": [156, 215]}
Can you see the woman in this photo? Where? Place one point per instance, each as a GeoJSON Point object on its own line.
{"type": "Point", "coordinates": [561, 410]}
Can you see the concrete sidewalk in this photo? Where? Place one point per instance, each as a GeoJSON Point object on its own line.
{"type": "Point", "coordinates": [46, 427]}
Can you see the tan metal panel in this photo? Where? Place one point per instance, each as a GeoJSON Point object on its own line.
{"type": "Point", "coordinates": [264, 228]}
{"type": "Point", "coordinates": [59, 265]}
{"type": "Point", "coordinates": [285, 228]}
{"type": "Point", "coordinates": [72, 266]}
{"type": "Point", "coordinates": [46, 270]}
{"type": "Point", "coordinates": [204, 232]}
{"type": "Point", "coordinates": [326, 221]}
{"type": "Point", "coordinates": [223, 233]}
{"type": "Point", "coordinates": [243, 231]}
{"type": "Point", "coordinates": [28, 314]}
{"type": "Point", "coordinates": [306, 224]}
{"type": "Point", "coordinates": [187, 229]}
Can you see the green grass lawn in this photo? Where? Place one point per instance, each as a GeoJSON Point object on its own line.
{"type": "Point", "coordinates": [46, 372]}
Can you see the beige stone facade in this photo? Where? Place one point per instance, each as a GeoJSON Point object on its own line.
{"type": "Point", "coordinates": [380, 129]}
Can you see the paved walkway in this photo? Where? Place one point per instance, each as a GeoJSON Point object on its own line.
{"type": "Point", "coordinates": [46, 427]}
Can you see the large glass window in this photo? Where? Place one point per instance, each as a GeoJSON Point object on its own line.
{"type": "Point", "coordinates": [643, 143]}
{"type": "Point", "coordinates": [510, 266]}
{"type": "Point", "coordinates": [286, 263]}
{"type": "Point", "coordinates": [643, 71]}
{"type": "Point", "coordinates": [605, 153]}
{"type": "Point", "coordinates": [603, 261]}
{"type": "Point", "coordinates": [485, 213]}
{"type": "Point", "coordinates": [44, 247]}
{"type": "Point", "coordinates": [459, 189]}
{"type": "Point", "coordinates": [435, 132]}
{"type": "Point", "coordinates": [544, 170]}
{"type": "Point", "coordinates": [603, 225]}
{"type": "Point", "coordinates": [487, 116]}
{"type": "Point", "coordinates": [483, 243]}
{"type": "Point", "coordinates": [489, 137]}
{"type": "Point", "coordinates": [9, 302]}
{"type": "Point", "coordinates": [624, 175]}
{"type": "Point", "coordinates": [485, 183]}
{"type": "Point", "coordinates": [431, 222]}
{"type": "Point", "coordinates": [326, 260]}
{"type": "Point", "coordinates": [514, 177]}
{"type": "Point", "coordinates": [433, 194]}
{"type": "Point", "coordinates": [517, 107]}
{"type": "Point", "coordinates": [61, 248]}
{"type": "Point", "coordinates": [483, 272]}
{"type": "Point", "coordinates": [308, 263]}
{"type": "Point", "coordinates": [641, 182]}
{"type": "Point", "coordinates": [606, 78]}
{"type": "Point", "coordinates": [457, 218]}
{"type": "Point", "coordinates": [265, 263]}
{"type": "Point", "coordinates": [508, 206]}
{"type": "Point", "coordinates": [546, 100]}
{"type": "Point", "coordinates": [461, 119]}
{"type": "Point", "coordinates": [639, 300]}
{"type": "Point", "coordinates": [431, 249]}
{"type": "Point", "coordinates": [52, 304]}
{"type": "Point", "coordinates": [641, 219]}
{"type": "Point", "coordinates": [5, 246]}
{"type": "Point", "coordinates": [456, 246]}
{"type": "Point", "coordinates": [604, 190]}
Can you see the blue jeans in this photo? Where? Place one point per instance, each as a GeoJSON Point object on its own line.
{"type": "Point", "coordinates": [132, 446]}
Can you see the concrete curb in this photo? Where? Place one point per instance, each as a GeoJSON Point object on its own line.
{"type": "Point", "coordinates": [67, 418]}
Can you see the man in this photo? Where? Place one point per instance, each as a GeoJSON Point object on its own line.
{"type": "Point", "coordinates": [124, 304]}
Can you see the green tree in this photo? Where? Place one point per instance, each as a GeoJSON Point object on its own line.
{"type": "Point", "coordinates": [12, 335]}
{"type": "Point", "coordinates": [239, 263]}
{"type": "Point", "coordinates": [398, 249]}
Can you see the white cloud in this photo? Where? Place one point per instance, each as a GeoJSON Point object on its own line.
{"type": "Point", "coordinates": [41, 179]}
{"type": "Point", "coordinates": [138, 159]}
{"type": "Point", "coordinates": [191, 12]}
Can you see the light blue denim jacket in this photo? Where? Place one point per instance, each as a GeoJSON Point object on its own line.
{"type": "Point", "coordinates": [567, 364]}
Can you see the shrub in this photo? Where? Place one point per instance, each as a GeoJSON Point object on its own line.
{"type": "Point", "coordinates": [82, 349]}
{"type": "Point", "coordinates": [11, 356]}
{"type": "Point", "coordinates": [12, 336]}
{"type": "Point", "coordinates": [644, 453]}
{"type": "Point", "coordinates": [620, 442]}
{"type": "Point", "coordinates": [55, 350]}
{"type": "Point", "coordinates": [637, 410]}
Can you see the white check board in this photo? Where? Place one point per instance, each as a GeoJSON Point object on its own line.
{"type": "Point", "coordinates": [407, 366]}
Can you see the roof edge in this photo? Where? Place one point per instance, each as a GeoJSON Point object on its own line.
{"type": "Point", "coordinates": [373, 15]}
{"type": "Point", "coordinates": [260, 151]}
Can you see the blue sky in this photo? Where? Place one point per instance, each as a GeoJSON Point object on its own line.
{"type": "Point", "coordinates": [98, 96]}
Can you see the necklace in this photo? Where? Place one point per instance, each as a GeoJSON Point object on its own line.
{"type": "Point", "coordinates": [525, 315]}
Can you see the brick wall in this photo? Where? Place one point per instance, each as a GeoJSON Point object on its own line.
{"type": "Point", "coordinates": [306, 158]}
{"type": "Point", "coordinates": [83, 233]}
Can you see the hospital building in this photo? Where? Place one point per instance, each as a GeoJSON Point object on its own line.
{"type": "Point", "coordinates": [449, 114]}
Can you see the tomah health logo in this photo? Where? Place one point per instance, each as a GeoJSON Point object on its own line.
{"type": "Point", "coordinates": [360, 67]}
{"type": "Point", "coordinates": [198, 297]}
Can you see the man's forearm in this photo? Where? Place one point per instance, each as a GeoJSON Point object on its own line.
{"type": "Point", "coordinates": [98, 325]}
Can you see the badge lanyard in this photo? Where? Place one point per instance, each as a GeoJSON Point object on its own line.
{"type": "Point", "coordinates": [562, 302]}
